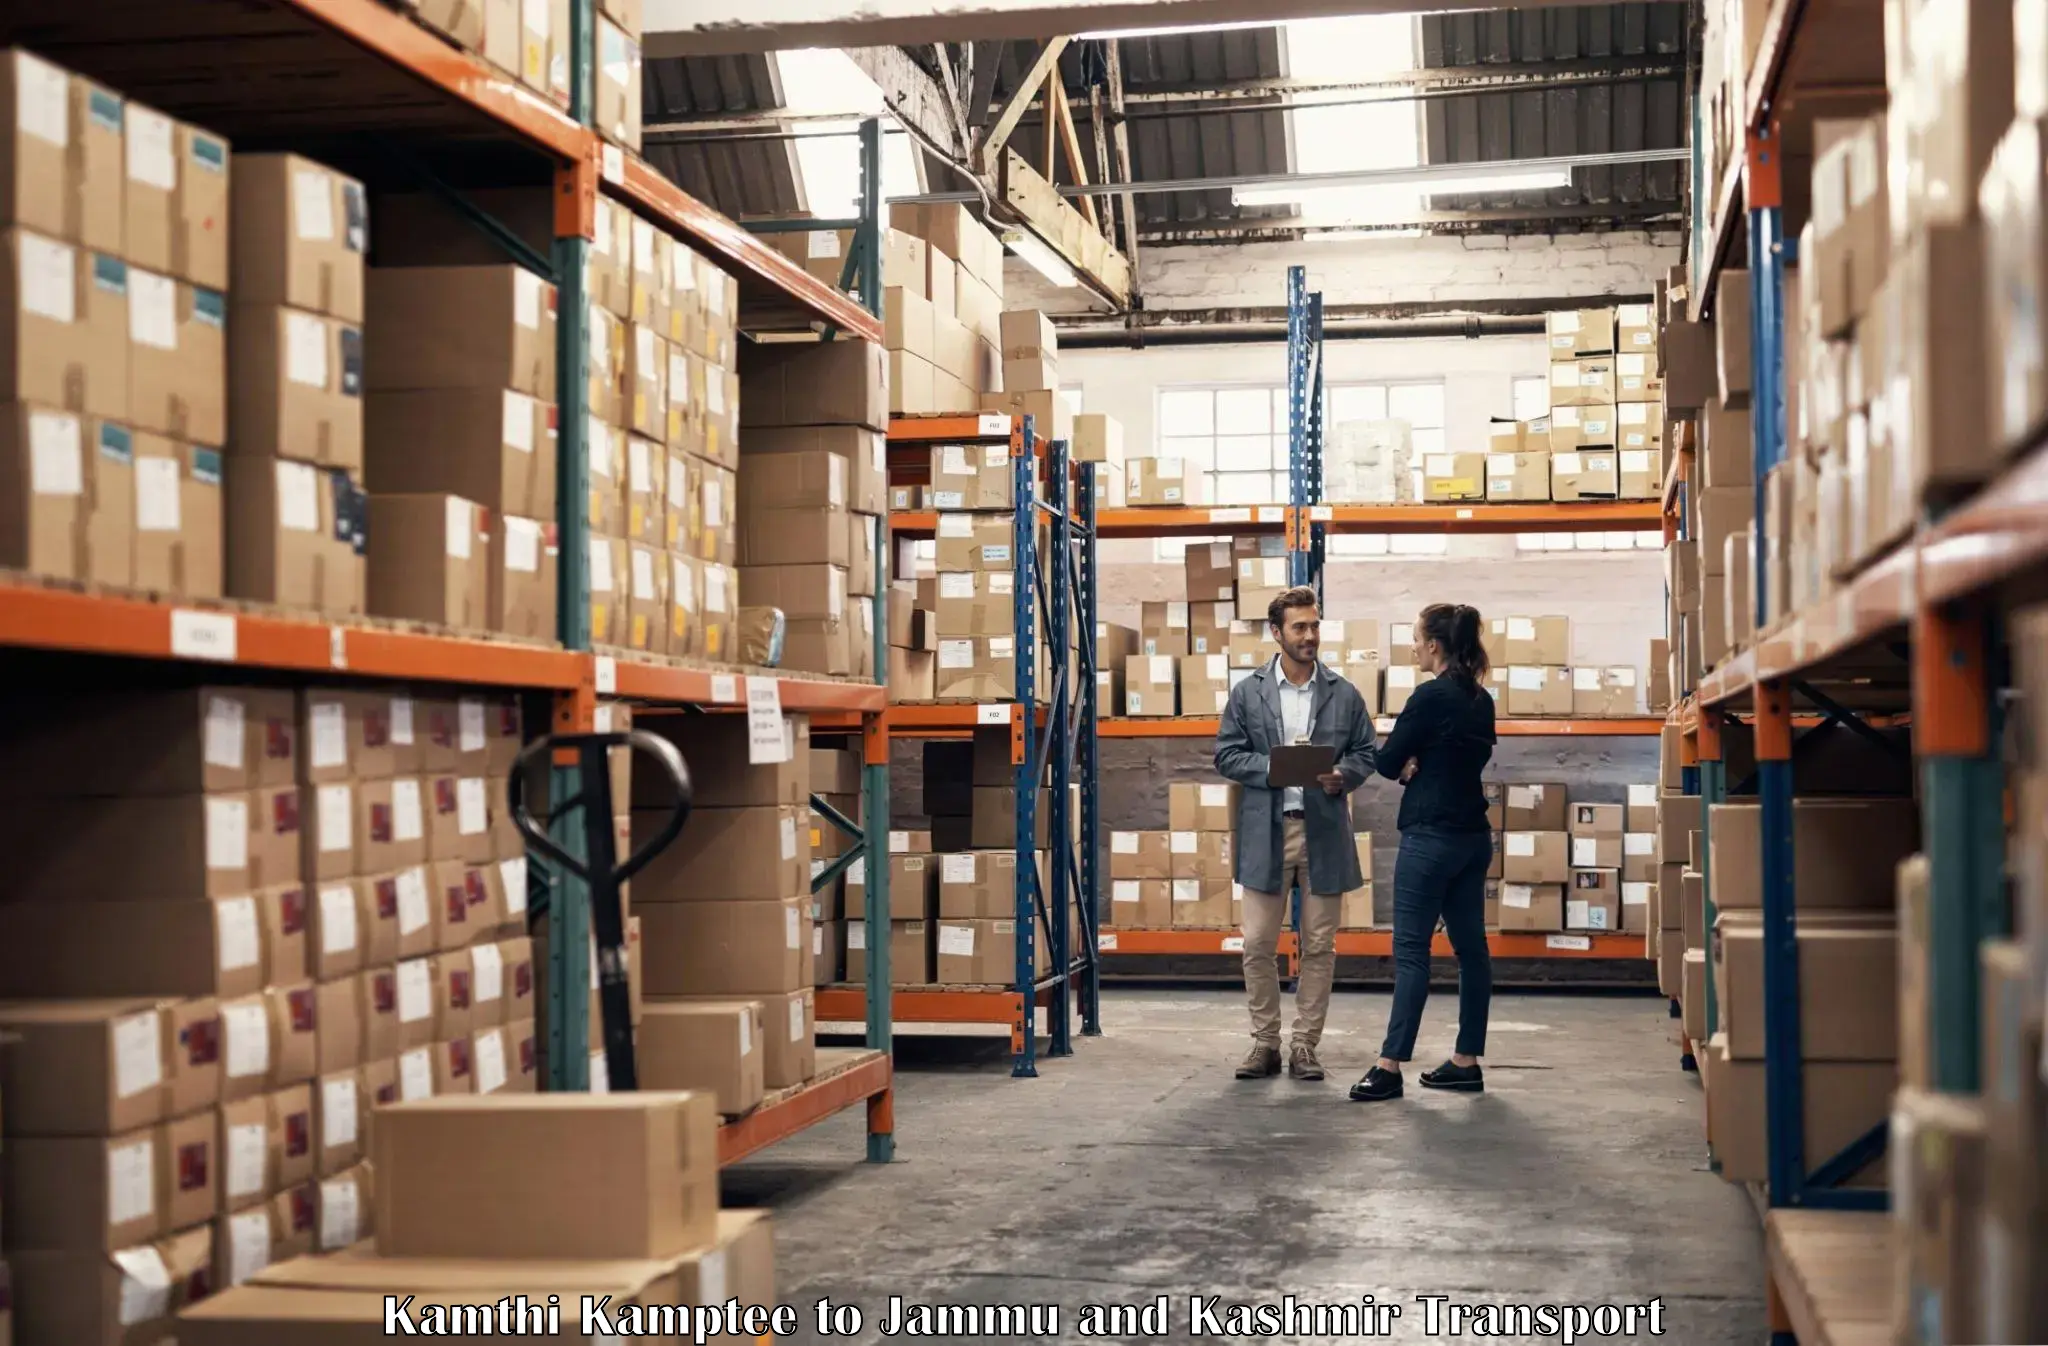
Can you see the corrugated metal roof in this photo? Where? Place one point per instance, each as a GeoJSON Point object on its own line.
{"type": "Point", "coordinates": [740, 177]}
{"type": "Point", "coordinates": [1623, 114]}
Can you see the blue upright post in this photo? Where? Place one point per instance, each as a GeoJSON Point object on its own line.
{"type": "Point", "coordinates": [1312, 489]}
{"type": "Point", "coordinates": [1059, 743]}
{"type": "Point", "coordinates": [1024, 611]}
{"type": "Point", "coordinates": [1297, 419]}
{"type": "Point", "coordinates": [1784, 1083]}
{"type": "Point", "coordinates": [1767, 380]}
{"type": "Point", "coordinates": [1091, 763]}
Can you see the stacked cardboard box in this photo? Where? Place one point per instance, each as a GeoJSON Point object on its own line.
{"type": "Point", "coordinates": [945, 272]}
{"type": "Point", "coordinates": [1098, 441]}
{"type": "Point", "coordinates": [316, 906]}
{"type": "Point", "coordinates": [812, 486]}
{"type": "Point", "coordinates": [975, 590]}
{"type": "Point", "coordinates": [1171, 483]}
{"type": "Point", "coordinates": [1604, 430]}
{"type": "Point", "coordinates": [115, 387]}
{"type": "Point", "coordinates": [531, 43]}
{"type": "Point", "coordinates": [726, 913]}
{"type": "Point", "coordinates": [1536, 857]}
{"type": "Point", "coordinates": [486, 1193]}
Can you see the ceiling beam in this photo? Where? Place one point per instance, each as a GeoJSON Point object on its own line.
{"type": "Point", "coordinates": [989, 150]}
{"type": "Point", "coordinates": [734, 27]}
{"type": "Point", "coordinates": [1120, 142]}
{"type": "Point", "coordinates": [987, 62]}
{"type": "Point", "coordinates": [1465, 78]}
{"type": "Point", "coordinates": [1501, 220]}
{"type": "Point", "coordinates": [916, 97]}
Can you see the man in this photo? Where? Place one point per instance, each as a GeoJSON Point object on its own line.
{"type": "Point", "coordinates": [1292, 836]}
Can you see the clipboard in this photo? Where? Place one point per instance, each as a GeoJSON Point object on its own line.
{"type": "Point", "coordinates": [1298, 764]}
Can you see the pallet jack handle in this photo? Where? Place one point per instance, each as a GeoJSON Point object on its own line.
{"type": "Point", "coordinates": [600, 870]}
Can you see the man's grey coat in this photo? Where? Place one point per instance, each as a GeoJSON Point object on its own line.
{"type": "Point", "coordinates": [1250, 729]}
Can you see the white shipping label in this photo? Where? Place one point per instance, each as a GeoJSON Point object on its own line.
{"type": "Point", "coordinates": [1586, 679]}
{"type": "Point", "coordinates": [1639, 843]}
{"type": "Point", "coordinates": [644, 589]}
{"type": "Point", "coordinates": [415, 1075]}
{"type": "Point", "coordinates": [526, 298]}
{"type": "Point", "coordinates": [42, 102]}
{"type": "Point", "coordinates": [305, 349]}
{"type": "Point", "coordinates": [714, 597]}
{"type": "Point", "coordinates": [1123, 843]}
{"type": "Point", "coordinates": [714, 502]}
{"type": "Point", "coordinates": [336, 807]}
{"type": "Point", "coordinates": [159, 498]}
{"type": "Point", "coordinates": [956, 941]}
{"type": "Point", "coordinates": [796, 1020]}
{"type": "Point", "coordinates": [313, 204]}
{"type": "Point", "coordinates": [1566, 463]}
{"type": "Point", "coordinates": [956, 654]}
{"type": "Point", "coordinates": [1525, 679]}
{"type": "Point", "coordinates": [600, 565]}
{"type": "Point", "coordinates": [856, 935]}
{"type": "Point", "coordinates": [227, 834]}
{"type": "Point", "coordinates": [246, 1027]}
{"type": "Point", "coordinates": [488, 961]}
{"type": "Point", "coordinates": [412, 900]}
{"type": "Point", "coordinates": [1181, 843]}
{"type": "Point", "coordinates": [1642, 794]}
{"type": "Point", "coordinates": [338, 1111]}
{"type": "Point", "coordinates": [1585, 852]}
{"type": "Point", "coordinates": [994, 455]}
{"type": "Point", "coordinates": [145, 1285]}
{"type": "Point", "coordinates": [461, 529]}
{"type": "Point", "coordinates": [1636, 894]}
{"type": "Point", "coordinates": [1439, 465]}
{"type": "Point", "coordinates": [56, 454]}
{"type": "Point", "coordinates": [1523, 796]}
{"type": "Point", "coordinates": [601, 445]}
{"type": "Point", "coordinates": [789, 838]}
{"type": "Point", "coordinates": [1518, 843]}
{"type": "Point", "coordinates": [1176, 616]}
{"type": "Point", "coordinates": [953, 461]}
{"type": "Point", "coordinates": [247, 1158]}
{"type": "Point", "coordinates": [298, 497]}
{"type": "Point", "coordinates": [1187, 890]}
{"type": "Point", "coordinates": [769, 739]}
{"type": "Point", "coordinates": [956, 525]}
{"type": "Point", "coordinates": [337, 918]}
{"type": "Point", "coordinates": [522, 545]}
{"type": "Point", "coordinates": [131, 1182]}
{"type": "Point", "coordinates": [1123, 890]}
{"type": "Point", "coordinates": [1160, 669]}
{"type": "Point", "coordinates": [138, 1054]}
{"type": "Point", "coordinates": [959, 869]}
{"type": "Point", "coordinates": [407, 817]}
{"type": "Point", "coordinates": [1622, 675]}
{"type": "Point", "coordinates": [792, 929]}
{"type": "Point", "coordinates": [470, 816]}
{"type": "Point", "coordinates": [490, 1062]}
{"type": "Point", "coordinates": [1001, 583]}
{"type": "Point", "coordinates": [401, 721]}
{"type": "Point", "coordinates": [1500, 465]}
{"type": "Point", "coordinates": [512, 878]}
{"type": "Point", "coordinates": [226, 719]}
{"type": "Point", "coordinates": [1521, 628]}
{"type": "Point", "coordinates": [340, 1214]}
{"type": "Point", "coordinates": [956, 584]}
{"type": "Point", "coordinates": [329, 734]}
{"type": "Point", "coordinates": [1575, 912]}
{"type": "Point", "coordinates": [236, 935]}
{"type": "Point", "coordinates": [1519, 895]}
{"type": "Point", "coordinates": [639, 468]}
{"type": "Point", "coordinates": [152, 310]}
{"type": "Point", "coordinates": [469, 724]}
{"type": "Point", "coordinates": [248, 1244]}
{"type": "Point", "coordinates": [415, 991]}
{"type": "Point", "coordinates": [49, 279]}
{"type": "Point", "coordinates": [822, 243]}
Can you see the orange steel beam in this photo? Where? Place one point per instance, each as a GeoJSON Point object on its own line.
{"type": "Point", "coordinates": [779, 1120]}
{"type": "Point", "coordinates": [1950, 683]}
{"type": "Point", "coordinates": [1204, 726]}
{"type": "Point", "coordinates": [1380, 943]}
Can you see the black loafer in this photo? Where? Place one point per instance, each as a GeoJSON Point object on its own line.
{"type": "Point", "coordinates": [1455, 1078]}
{"type": "Point", "coordinates": [1378, 1086]}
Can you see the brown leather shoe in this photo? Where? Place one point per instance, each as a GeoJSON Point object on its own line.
{"type": "Point", "coordinates": [1302, 1063]}
{"type": "Point", "coordinates": [1259, 1063]}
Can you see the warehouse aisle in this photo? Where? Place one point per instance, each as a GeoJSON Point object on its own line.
{"type": "Point", "coordinates": [1140, 1168]}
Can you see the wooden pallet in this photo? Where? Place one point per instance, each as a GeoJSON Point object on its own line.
{"type": "Point", "coordinates": [1831, 1276]}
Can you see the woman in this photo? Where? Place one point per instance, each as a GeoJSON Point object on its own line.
{"type": "Point", "coordinates": [1437, 750]}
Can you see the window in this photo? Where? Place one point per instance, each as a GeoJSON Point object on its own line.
{"type": "Point", "coordinates": [1532, 397]}
{"type": "Point", "coordinates": [1644, 540]}
{"type": "Point", "coordinates": [1236, 435]}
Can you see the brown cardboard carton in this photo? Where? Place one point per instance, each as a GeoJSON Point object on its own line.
{"type": "Point", "coordinates": [1202, 904]}
{"type": "Point", "coordinates": [1139, 855]}
{"type": "Point", "coordinates": [982, 952]}
{"type": "Point", "coordinates": [1585, 474]}
{"type": "Point", "coordinates": [617, 101]}
{"type": "Point", "coordinates": [1453, 477]}
{"type": "Point", "coordinates": [64, 338]}
{"type": "Point", "coordinates": [830, 383]}
{"type": "Point", "coordinates": [1202, 806]}
{"type": "Point", "coordinates": [1517, 476]}
{"type": "Point", "coordinates": [295, 387]}
{"type": "Point", "coordinates": [176, 848]}
{"type": "Point", "coordinates": [1594, 426]}
{"type": "Point", "coordinates": [221, 739]}
{"type": "Point", "coordinates": [657, 1198]}
{"type": "Point", "coordinates": [1151, 685]}
{"type": "Point", "coordinates": [458, 819]}
{"type": "Point", "coordinates": [493, 446]}
{"type": "Point", "coordinates": [1848, 986]}
{"type": "Point", "coordinates": [192, 1051]}
{"type": "Point", "coordinates": [725, 948]}
{"type": "Point", "coordinates": [1843, 1101]}
{"type": "Point", "coordinates": [178, 520]}
{"type": "Point", "coordinates": [430, 561]}
{"type": "Point", "coordinates": [84, 1067]}
{"type": "Point", "coordinates": [1531, 906]}
{"type": "Point", "coordinates": [727, 855]}
{"type": "Point", "coordinates": [1845, 852]}
{"type": "Point", "coordinates": [484, 327]}
{"type": "Point", "coordinates": [289, 1114]}
{"type": "Point", "coordinates": [1945, 1186]}
{"type": "Point", "coordinates": [970, 477]}
{"type": "Point", "coordinates": [1199, 855]}
{"type": "Point", "coordinates": [1596, 852]}
{"type": "Point", "coordinates": [1593, 900]}
{"type": "Point", "coordinates": [63, 153]}
{"type": "Point", "coordinates": [724, 776]}
{"type": "Point", "coordinates": [1581, 332]}
{"type": "Point", "coordinates": [1537, 640]}
{"type": "Point", "coordinates": [1161, 481]}
{"type": "Point", "coordinates": [82, 1194]}
{"type": "Point", "coordinates": [1597, 820]}
{"type": "Point", "coordinates": [177, 362]}
{"type": "Point", "coordinates": [301, 231]}
{"type": "Point", "coordinates": [714, 1046]}
{"type": "Point", "coordinates": [1535, 857]}
{"type": "Point", "coordinates": [284, 914]}
{"type": "Point", "coordinates": [1141, 904]}
{"type": "Point", "coordinates": [1534, 807]}
{"type": "Point", "coordinates": [1539, 692]}
{"type": "Point", "coordinates": [390, 824]}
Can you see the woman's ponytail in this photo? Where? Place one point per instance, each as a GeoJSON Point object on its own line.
{"type": "Point", "coordinates": [1455, 628]}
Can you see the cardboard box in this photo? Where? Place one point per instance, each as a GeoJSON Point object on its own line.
{"type": "Point", "coordinates": [976, 668]}
{"type": "Point", "coordinates": [301, 233]}
{"type": "Point", "coordinates": [1535, 857]}
{"type": "Point", "coordinates": [1584, 427]}
{"type": "Point", "coordinates": [178, 518]}
{"type": "Point", "coordinates": [1531, 906]}
{"type": "Point", "coordinates": [82, 1194]}
{"type": "Point", "coordinates": [1139, 855]}
{"type": "Point", "coordinates": [1141, 904]}
{"type": "Point", "coordinates": [431, 560]}
{"type": "Point", "coordinates": [64, 148]}
{"type": "Point", "coordinates": [715, 1046]}
{"type": "Point", "coordinates": [1260, 580]}
{"type": "Point", "coordinates": [725, 948]}
{"type": "Point", "coordinates": [64, 343]}
{"type": "Point", "coordinates": [1517, 476]}
{"type": "Point", "coordinates": [983, 952]}
{"type": "Point", "coordinates": [1203, 904]}
{"type": "Point", "coordinates": [1848, 987]}
{"type": "Point", "coordinates": [1593, 900]}
{"type": "Point", "coordinates": [1539, 692]}
{"type": "Point", "coordinates": [1028, 335]}
{"type": "Point", "coordinates": [1845, 852]}
{"type": "Point", "coordinates": [657, 1198]}
{"type": "Point", "coordinates": [910, 952]}
{"type": "Point", "coordinates": [1535, 640]}
{"type": "Point", "coordinates": [1209, 629]}
{"type": "Point", "coordinates": [1161, 481]}
{"type": "Point", "coordinates": [1151, 685]}
{"type": "Point", "coordinates": [1844, 1099]}
{"type": "Point", "coordinates": [1454, 477]}
{"type": "Point", "coordinates": [827, 383]}
{"type": "Point", "coordinates": [477, 327]}
{"type": "Point", "coordinates": [1585, 474]}
{"type": "Point", "coordinates": [177, 359]}
{"type": "Point", "coordinates": [295, 388]}
{"type": "Point", "coordinates": [1597, 820]}
{"type": "Point", "coordinates": [1202, 806]}
{"type": "Point", "coordinates": [84, 1068]}
{"type": "Point", "coordinates": [1581, 332]}
{"type": "Point", "coordinates": [1098, 439]}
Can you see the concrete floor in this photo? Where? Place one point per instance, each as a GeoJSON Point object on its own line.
{"type": "Point", "coordinates": [1139, 1168]}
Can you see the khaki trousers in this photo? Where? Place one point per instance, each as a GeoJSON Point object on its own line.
{"type": "Point", "coordinates": [1263, 915]}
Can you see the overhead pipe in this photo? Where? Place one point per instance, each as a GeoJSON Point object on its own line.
{"type": "Point", "coordinates": [1471, 327]}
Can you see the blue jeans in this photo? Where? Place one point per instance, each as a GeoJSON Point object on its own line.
{"type": "Point", "coordinates": [1440, 874]}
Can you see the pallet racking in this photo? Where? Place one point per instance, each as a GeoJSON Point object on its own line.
{"type": "Point", "coordinates": [1052, 740]}
{"type": "Point", "coordinates": [1917, 633]}
{"type": "Point", "coordinates": [399, 104]}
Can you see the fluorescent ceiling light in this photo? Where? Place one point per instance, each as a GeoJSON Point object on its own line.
{"type": "Point", "coordinates": [1505, 180]}
{"type": "Point", "coordinates": [1041, 258]}
{"type": "Point", "coordinates": [1174, 31]}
